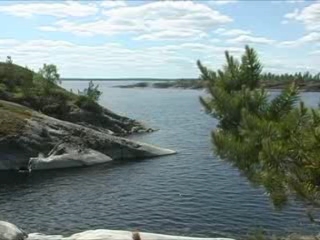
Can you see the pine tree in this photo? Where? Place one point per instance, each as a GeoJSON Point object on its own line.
{"type": "Point", "coordinates": [92, 92]}
{"type": "Point", "coordinates": [274, 143]}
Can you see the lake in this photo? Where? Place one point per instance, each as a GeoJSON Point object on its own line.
{"type": "Point", "coordinates": [192, 193]}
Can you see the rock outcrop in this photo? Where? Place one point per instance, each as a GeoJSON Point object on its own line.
{"type": "Point", "coordinates": [26, 134]}
{"type": "Point", "coordinates": [67, 155]}
{"type": "Point", "coordinates": [105, 121]}
{"type": "Point", "coordinates": [9, 231]}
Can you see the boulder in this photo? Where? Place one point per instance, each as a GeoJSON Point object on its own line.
{"type": "Point", "coordinates": [8, 231]}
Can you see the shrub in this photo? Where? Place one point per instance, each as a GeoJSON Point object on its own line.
{"type": "Point", "coordinates": [88, 104]}
{"type": "Point", "coordinates": [92, 92]}
{"type": "Point", "coordinates": [50, 73]}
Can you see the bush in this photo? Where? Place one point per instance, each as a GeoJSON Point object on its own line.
{"type": "Point", "coordinates": [5, 95]}
{"type": "Point", "coordinates": [14, 76]}
{"type": "Point", "coordinates": [60, 95]}
{"type": "Point", "coordinates": [88, 104]}
{"type": "Point", "coordinates": [54, 109]}
{"type": "Point", "coordinates": [92, 92]}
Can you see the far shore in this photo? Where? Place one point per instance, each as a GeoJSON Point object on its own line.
{"type": "Point", "coordinates": [306, 86]}
{"type": "Point", "coordinates": [129, 79]}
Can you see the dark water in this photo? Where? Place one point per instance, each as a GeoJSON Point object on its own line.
{"type": "Point", "coordinates": [191, 193]}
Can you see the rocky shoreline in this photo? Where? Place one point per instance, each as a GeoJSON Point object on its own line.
{"type": "Point", "coordinates": [44, 126]}
{"type": "Point", "coordinates": [30, 140]}
{"type": "Point", "coordinates": [9, 231]}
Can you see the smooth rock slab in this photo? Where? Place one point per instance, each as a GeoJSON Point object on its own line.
{"type": "Point", "coordinates": [103, 234]}
{"type": "Point", "coordinates": [73, 158]}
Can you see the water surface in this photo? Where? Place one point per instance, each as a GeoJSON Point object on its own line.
{"type": "Point", "coordinates": [191, 193]}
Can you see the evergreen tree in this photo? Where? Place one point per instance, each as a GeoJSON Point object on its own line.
{"type": "Point", "coordinates": [274, 143]}
{"type": "Point", "coordinates": [9, 60]}
{"type": "Point", "coordinates": [48, 77]}
{"type": "Point", "coordinates": [50, 73]}
{"type": "Point", "coordinates": [92, 92]}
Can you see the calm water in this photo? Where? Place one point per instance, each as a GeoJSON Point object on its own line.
{"type": "Point", "coordinates": [191, 193]}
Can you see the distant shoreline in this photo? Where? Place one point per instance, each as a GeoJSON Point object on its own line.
{"type": "Point", "coordinates": [128, 79]}
{"type": "Point", "coordinates": [192, 83]}
{"type": "Point", "coordinates": [306, 86]}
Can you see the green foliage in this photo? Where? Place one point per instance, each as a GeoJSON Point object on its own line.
{"type": "Point", "coordinates": [14, 76]}
{"type": "Point", "coordinates": [50, 73]}
{"type": "Point", "coordinates": [299, 77]}
{"type": "Point", "coordinates": [92, 92]}
{"type": "Point", "coordinates": [88, 104]}
{"type": "Point", "coordinates": [13, 119]}
{"type": "Point", "coordinates": [22, 85]}
{"type": "Point", "coordinates": [87, 99]}
{"type": "Point", "coordinates": [41, 92]}
{"type": "Point", "coordinates": [274, 143]}
{"type": "Point", "coordinates": [47, 78]}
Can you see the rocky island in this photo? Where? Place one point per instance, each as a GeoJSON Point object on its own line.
{"type": "Point", "coordinates": [44, 126]}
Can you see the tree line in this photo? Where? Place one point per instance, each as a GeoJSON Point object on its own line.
{"type": "Point", "coordinates": [286, 77]}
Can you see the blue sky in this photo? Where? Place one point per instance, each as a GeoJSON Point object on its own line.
{"type": "Point", "coordinates": [159, 39]}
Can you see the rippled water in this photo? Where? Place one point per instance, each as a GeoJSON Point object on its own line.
{"type": "Point", "coordinates": [191, 193]}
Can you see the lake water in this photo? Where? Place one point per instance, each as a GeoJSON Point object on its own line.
{"type": "Point", "coordinates": [191, 193]}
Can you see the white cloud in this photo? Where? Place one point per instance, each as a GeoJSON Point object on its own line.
{"type": "Point", "coordinates": [220, 30]}
{"type": "Point", "coordinates": [292, 15]}
{"type": "Point", "coordinates": [295, 1]}
{"type": "Point", "coordinates": [287, 1]}
{"type": "Point", "coordinates": [316, 52]}
{"type": "Point", "coordinates": [309, 38]}
{"type": "Point", "coordinates": [232, 32]}
{"type": "Point", "coordinates": [246, 39]}
{"type": "Point", "coordinates": [113, 3]}
{"type": "Point", "coordinates": [198, 47]}
{"type": "Point", "coordinates": [173, 35]}
{"type": "Point", "coordinates": [109, 60]}
{"type": "Point", "coordinates": [310, 16]}
{"type": "Point", "coordinates": [215, 40]}
{"type": "Point", "coordinates": [8, 41]}
{"type": "Point", "coordinates": [305, 67]}
{"type": "Point", "coordinates": [153, 20]}
{"type": "Point", "coordinates": [221, 2]}
{"type": "Point", "coordinates": [61, 9]}
{"type": "Point", "coordinates": [281, 64]}
{"type": "Point", "coordinates": [66, 55]}
{"type": "Point", "coordinates": [100, 27]}
{"type": "Point", "coordinates": [47, 28]}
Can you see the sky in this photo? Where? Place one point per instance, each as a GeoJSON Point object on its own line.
{"type": "Point", "coordinates": [158, 39]}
